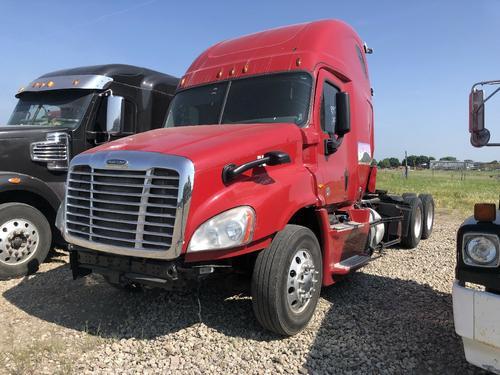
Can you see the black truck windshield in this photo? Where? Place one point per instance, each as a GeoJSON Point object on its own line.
{"type": "Point", "coordinates": [51, 108]}
{"type": "Point", "coordinates": [272, 98]}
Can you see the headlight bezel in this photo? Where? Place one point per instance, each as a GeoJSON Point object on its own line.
{"type": "Point", "coordinates": [469, 261]}
{"type": "Point", "coordinates": [225, 217]}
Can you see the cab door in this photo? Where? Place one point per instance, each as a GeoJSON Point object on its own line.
{"type": "Point", "coordinates": [333, 172]}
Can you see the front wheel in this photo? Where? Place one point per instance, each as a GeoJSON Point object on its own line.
{"type": "Point", "coordinates": [25, 238]}
{"type": "Point", "coordinates": [286, 281]}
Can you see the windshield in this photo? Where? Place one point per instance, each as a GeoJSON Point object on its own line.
{"type": "Point", "coordinates": [55, 108]}
{"type": "Point", "coordinates": [272, 98]}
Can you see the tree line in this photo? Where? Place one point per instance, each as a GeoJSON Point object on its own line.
{"type": "Point", "coordinates": [414, 161]}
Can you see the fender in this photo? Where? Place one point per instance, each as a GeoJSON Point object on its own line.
{"type": "Point", "coordinates": [275, 198]}
{"type": "Point", "coordinates": [32, 185]}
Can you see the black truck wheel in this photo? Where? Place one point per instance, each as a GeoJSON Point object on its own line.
{"type": "Point", "coordinates": [428, 222]}
{"type": "Point", "coordinates": [414, 221]}
{"type": "Point", "coordinates": [25, 238]}
{"type": "Point", "coordinates": [286, 281]}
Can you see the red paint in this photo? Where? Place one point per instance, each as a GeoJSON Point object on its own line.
{"type": "Point", "coordinates": [325, 49]}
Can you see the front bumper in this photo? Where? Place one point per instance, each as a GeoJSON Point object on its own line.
{"type": "Point", "coordinates": [171, 275]}
{"type": "Point", "coordinates": [477, 321]}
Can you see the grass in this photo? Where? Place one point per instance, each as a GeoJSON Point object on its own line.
{"type": "Point", "coordinates": [450, 189]}
{"type": "Point", "coordinates": [50, 351]}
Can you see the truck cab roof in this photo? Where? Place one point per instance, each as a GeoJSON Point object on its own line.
{"type": "Point", "coordinates": [101, 76]}
{"type": "Point", "coordinates": [305, 46]}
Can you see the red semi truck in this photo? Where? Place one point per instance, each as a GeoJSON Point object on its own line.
{"type": "Point", "coordinates": [264, 165]}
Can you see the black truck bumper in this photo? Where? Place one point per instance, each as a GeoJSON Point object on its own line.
{"type": "Point", "coordinates": [118, 269]}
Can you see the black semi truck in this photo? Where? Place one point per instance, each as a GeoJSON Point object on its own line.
{"type": "Point", "coordinates": [59, 115]}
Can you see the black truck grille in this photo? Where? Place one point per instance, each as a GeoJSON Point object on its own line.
{"type": "Point", "coordinates": [127, 208]}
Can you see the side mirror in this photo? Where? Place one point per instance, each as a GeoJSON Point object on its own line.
{"type": "Point", "coordinates": [343, 122]}
{"type": "Point", "coordinates": [115, 115]}
{"type": "Point", "coordinates": [479, 135]}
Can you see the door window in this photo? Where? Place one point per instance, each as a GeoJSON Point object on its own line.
{"type": "Point", "coordinates": [329, 108]}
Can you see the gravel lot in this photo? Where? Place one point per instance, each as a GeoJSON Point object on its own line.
{"type": "Point", "coordinates": [394, 316]}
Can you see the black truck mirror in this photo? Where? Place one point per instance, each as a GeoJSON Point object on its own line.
{"type": "Point", "coordinates": [479, 136]}
{"type": "Point", "coordinates": [343, 122]}
{"type": "Point", "coordinates": [115, 115]}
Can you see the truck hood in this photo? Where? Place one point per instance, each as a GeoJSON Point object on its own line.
{"type": "Point", "coordinates": [210, 145]}
{"type": "Point", "coordinates": [28, 131]}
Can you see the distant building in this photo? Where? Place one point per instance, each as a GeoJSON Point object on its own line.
{"type": "Point", "coordinates": [454, 165]}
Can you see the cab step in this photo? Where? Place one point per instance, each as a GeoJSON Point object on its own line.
{"type": "Point", "coordinates": [346, 225]}
{"type": "Point", "coordinates": [350, 264]}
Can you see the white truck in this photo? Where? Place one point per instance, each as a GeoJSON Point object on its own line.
{"type": "Point", "coordinates": [476, 291]}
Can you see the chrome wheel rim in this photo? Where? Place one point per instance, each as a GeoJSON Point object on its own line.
{"type": "Point", "coordinates": [301, 281]}
{"type": "Point", "coordinates": [19, 240]}
{"type": "Point", "coordinates": [417, 228]}
{"type": "Point", "coordinates": [430, 217]}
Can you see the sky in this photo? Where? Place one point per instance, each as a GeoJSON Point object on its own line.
{"type": "Point", "coordinates": [427, 54]}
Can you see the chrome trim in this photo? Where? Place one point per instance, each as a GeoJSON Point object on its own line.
{"type": "Point", "coordinates": [85, 81]}
{"type": "Point", "coordinates": [55, 150]}
{"type": "Point", "coordinates": [140, 161]}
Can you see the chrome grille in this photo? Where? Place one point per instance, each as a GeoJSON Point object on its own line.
{"type": "Point", "coordinates": [55, 148]}
{"type": "Point", "coordinates": [133, 209]}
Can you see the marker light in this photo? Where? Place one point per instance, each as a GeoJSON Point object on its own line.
{"type": "Point", "coordinates": [50, 83]}
{"type": "Point", "coordinates": [298, 61]}
{"type": "Point", "coordinates": [231, 72]}
{"type": "Point", "coordinates": [229, 229]}
{"type": "Point", "coordinates": [485, 212]}
{"type": "Point", "coordinates": [76, 82]}
{"type": "Point", "coordinates": [219, 74]}
{"type": "Point", "coordinates": [14, 180]}
{"type": "Point", "coordinates": [245, 69]}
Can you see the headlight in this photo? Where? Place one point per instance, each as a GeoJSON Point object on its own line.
{"type": "Point", "coordinates": [229, 229]}
{"type": "Point", "coordinates": [481, 250]}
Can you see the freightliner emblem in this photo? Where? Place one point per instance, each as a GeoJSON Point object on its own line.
{"type": "Point", "coordinates": [117, 162]}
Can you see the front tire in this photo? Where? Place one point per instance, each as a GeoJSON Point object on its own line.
{"type": "Point", "coordinates": [286, 281]}
{"type": "Point", "coordinates": [25, 239]}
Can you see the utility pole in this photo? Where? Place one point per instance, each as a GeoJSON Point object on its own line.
{"type": "Point", "coordinates": [406, 165]}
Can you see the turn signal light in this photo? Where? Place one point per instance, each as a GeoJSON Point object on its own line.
{"type": "Point", "coordinates": [50, 83]}
{"type": "Point", "coordinates": [14, 180]}
{"type": "Point", "coordinates": [485, 212]}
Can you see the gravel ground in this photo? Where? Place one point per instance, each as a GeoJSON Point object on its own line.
{"type": "Point", "coordinates": [393, 316]}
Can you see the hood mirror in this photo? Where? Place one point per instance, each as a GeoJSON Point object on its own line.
{"type": "Point", "coordinates": [115, 115]}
